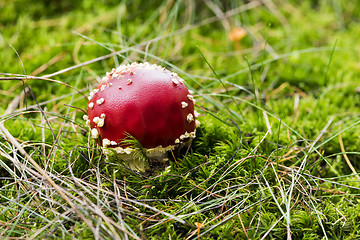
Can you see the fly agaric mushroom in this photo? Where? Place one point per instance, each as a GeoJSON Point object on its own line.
{"type": "Point", "coordinates": [146, 101]}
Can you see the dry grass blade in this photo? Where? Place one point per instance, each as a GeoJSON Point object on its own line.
{"type": "Point", "coordinates": [61, 192]}
{"type": "Point", "coordinates": [347, 158]}
{"type": "Point", "coordinates": [278, 119]}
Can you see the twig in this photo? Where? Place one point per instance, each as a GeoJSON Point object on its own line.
{"type": "Point", "coordinates": [347, 158]}
{"type": "Point", "coordinates": [243, 227]}
{"type": "Point", "coordinates": [28, 77]}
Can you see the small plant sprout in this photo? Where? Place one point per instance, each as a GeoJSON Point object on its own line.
{"type": "Point", "coordinates": [144, 103]}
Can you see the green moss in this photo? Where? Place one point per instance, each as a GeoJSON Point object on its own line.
{"type": "Point", "coordinates": [251, 163]}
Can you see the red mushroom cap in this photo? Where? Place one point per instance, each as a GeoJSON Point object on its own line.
{"type": "Point", "coordinates": [146, 101]}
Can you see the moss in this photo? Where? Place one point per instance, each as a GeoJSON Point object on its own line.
{"type": "Point", "coordinates": [272, 150]}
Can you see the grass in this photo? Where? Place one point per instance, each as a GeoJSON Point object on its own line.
{"type": "Point", "coordinates": [276, 156]}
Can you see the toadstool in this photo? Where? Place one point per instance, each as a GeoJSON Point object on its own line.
{"type": "Point", "coordinates": [148, 102]}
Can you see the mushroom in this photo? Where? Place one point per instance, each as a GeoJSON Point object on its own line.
{"type": "Point", "coordinates": [236, 35]}
{"type": "Point", "coordinates": [148, 102]}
